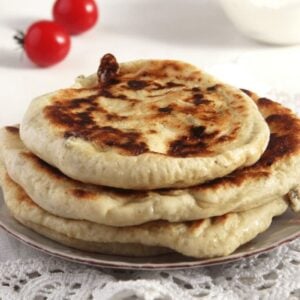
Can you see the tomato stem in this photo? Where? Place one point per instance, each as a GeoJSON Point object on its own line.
{"type": "Point", "coordinates": [19, 37]}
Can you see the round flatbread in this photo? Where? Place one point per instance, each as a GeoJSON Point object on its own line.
{"type": "Point", "coordinates": [275, 174]}
{"type": "Point", "coordinates": [212, 237]}
{"type": "Point", "coordinates": [153, 124]}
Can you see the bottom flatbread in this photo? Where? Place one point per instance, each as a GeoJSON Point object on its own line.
{"type": "Point", "coordinates": [124, 249]}
{"type": "Point", "coordinates": [212, 237]}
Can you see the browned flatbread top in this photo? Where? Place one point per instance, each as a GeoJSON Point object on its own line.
{"type": "Point", "coordinates": [158, 102]}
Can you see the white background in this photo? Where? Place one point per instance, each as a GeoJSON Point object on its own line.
{"type": "Point", "coordinates": [196, 31]}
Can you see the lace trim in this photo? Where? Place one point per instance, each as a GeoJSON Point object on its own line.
{"type": "Point", "coordinates": [273, 275]}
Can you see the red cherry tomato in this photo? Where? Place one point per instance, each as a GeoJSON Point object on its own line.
{"type": "Point", "coordinates": [76, 16]}
{"type": "Point", "coordinates": [46, 43]}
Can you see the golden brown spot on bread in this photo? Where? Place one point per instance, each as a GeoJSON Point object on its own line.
{"type": "Point", "coordinates": [12, 129]}
{"type": "Point", "coordinates": [279, 147]}
{"type": "Point", "coordinates": [238, 96]}
{"type": "Point", "coordinates": [198, 99]}
{"type": "Point", "coordinates": [247, 92]}
{"type": "Point", "coordinates": [219, 219]}
{"type": "Point", "coordinates": [83, 194]}
{"type": "Point", "coordinates": [214, 87]}
{"type": "Point", "coordinates": [167, 109]}
{"type": "Point", "coordinates": [168, 85]}
{"type": "Point", "coordinates": [109, 136]}
{"type": "Point", "coordinates": [184, 147]}
{"type": "Point", "coordinates": [197, 131]}
{"type": "Point", "coordinates": [127, 193]}
{"type": "Point", "coordinates": [152, 131]}
{"type": "Point", "coordinates": [115, 117]}
{"type": "Point", "coordinates": [227, 138]}
{"type": "Point", "coordinates": [263, 101]}
{"type": "Point", "coordinates": [43, 166]}
{"type": "Point", "coordinates": [196, 142]}
{"type": "Point", "coordinates": [172, 84]}
{"type": "Point", "coordinates": [137, 84]}
{"type": "Point", "coordinates": [194, 225]}
{"type": "Point", "coordinates": [21, 195]}
{"type": "Point", "coordinates": [280, 123]}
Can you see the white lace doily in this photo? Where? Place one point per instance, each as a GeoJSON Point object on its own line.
{"type": "Point", "coordinates": [273, 275]}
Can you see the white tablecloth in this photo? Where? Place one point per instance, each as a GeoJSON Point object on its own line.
{"type": "Point", "coordinates": [194, 31]}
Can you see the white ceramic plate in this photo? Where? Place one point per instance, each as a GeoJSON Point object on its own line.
{"type": "Point", "coordinates": [283, 229]}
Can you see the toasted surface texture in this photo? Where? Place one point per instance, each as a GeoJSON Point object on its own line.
{"type": "Point", "coordinates": [275, 174]}
{"type": "Point", "coordinates": [210, 237]}
{"type": "Point", "coordinates": [158, 124]}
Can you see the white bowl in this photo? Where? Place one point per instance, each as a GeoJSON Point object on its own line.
{"type": "Point", "coordinates": [270, 21]}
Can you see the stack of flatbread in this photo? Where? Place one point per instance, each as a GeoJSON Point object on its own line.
{"type": "Point", "coordinates": [149, 157]}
